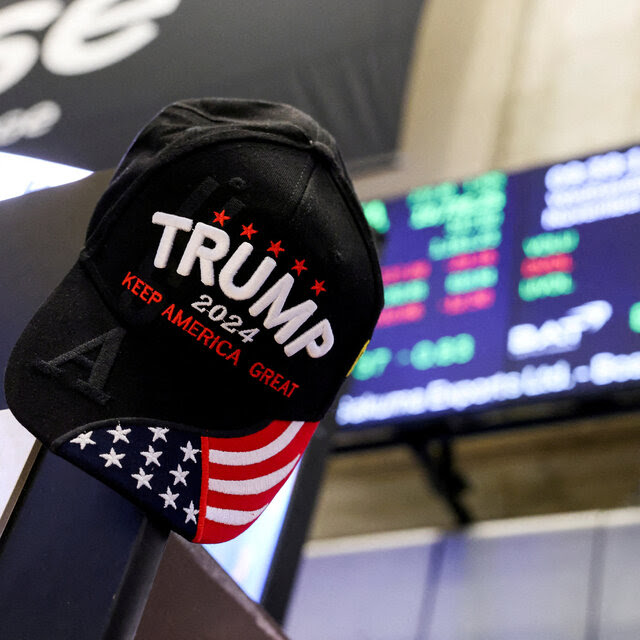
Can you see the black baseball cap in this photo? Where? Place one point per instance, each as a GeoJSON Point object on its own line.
{"type": "Point", "coordinates": [227, 286]}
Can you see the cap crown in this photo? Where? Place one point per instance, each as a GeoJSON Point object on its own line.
{"type": "Point", "coordinates": [231, 247]}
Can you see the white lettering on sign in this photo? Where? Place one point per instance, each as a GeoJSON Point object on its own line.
{"type": "Point", "coordinates": [19, 52]}
{"type": "Point", "coordinates": [563, 334]}
{"type": "Point", "coordinates": [93, 34]}
{"type": "Point", "coordinates": [33, 122]}
{"type": "Point", "coordinates": [444, 395]}
{"type": "Point", "coordinates": [85, 36]}
{"type": "Point", "coordinates": [585, 191]}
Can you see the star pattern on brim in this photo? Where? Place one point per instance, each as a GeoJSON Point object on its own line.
{"type": "Point", "coordinates": [142, 478]}
{"type": "Point", "coordinates": [112, 458]}
{"type": "Point", "coordinates": [191, 512]}
{"type": "Point", "coordinates": [151, 456]}
{"type": "Point", "coordinates": [159, 433]}
{"type": "Point", "coordinates": [119, 434]}
{"type": "Point", "coordinates": [179, 475]}
{"type": "Point", "coordinates": [169, 498]}
{"type": "Point", "coordinates": [189, 452]}
{"type": "Point", "coordinates": [83, 439]}
{"type": "Point", "coordinates": [140, 462]}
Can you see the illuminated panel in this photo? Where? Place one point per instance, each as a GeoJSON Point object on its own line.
{"type": "Point", "coordinates": [546, 270]}
{"type": "Point", "coordinates": [21, 174]}
{"type": "Point", "coordinates": [532, 267]}
{"type": "Point", "coordinates": [634, 317]}
{"type": "Point", "coordinates": [599, 188]}
{"type": "Point", "coordinates": [464, 303]}
{"type": "Point", "coordinates": [444, 291]}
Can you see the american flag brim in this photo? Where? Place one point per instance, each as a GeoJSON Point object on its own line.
{"type": "Point", "coordinates": [208, 489]}
{"type": "Point", "coordinates": [240, 476]}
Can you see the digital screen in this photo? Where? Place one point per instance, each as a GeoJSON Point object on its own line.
{"type": "Point", "coordinates": [504, 288]}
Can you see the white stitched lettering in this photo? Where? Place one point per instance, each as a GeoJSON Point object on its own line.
{"type": "Point", "coordinates": [292, 318]}
{"type": "Point", "coordinates": [272, 301]}
{"type": "Point", "coordinates": [207, 255]}
{"type": "Point", "coordinates": [308, 340]}
{"type": "Point", "coordinates": [171, 226]}
{"type": "Point", "coordinates": [252, 286]}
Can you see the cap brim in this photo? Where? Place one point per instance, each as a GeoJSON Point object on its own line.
{"type": "Point", "coordinates": [205, 488]}
{"type": "Point", "coordinates": [241, 476]}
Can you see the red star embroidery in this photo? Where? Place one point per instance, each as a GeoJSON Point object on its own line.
{"type": "Point", "coordinates": [220, 217]}
{"type": "Point", "coordinates": [318, 287]}
{"type": "Point", "coordinates": [248, 230]}
{"type": "Point", "coordinates": [275, 248]}
{"type": "Point", "coordinates": [299, 267]}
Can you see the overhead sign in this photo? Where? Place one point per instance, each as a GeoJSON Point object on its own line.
{"type": "Point", "coordinates": [79, 78]}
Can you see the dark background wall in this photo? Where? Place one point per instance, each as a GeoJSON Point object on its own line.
{"type": "Point", "coordinates": [87, 75]}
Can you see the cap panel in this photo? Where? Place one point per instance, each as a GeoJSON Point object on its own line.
{"type": "Point", "coordinates": [190, 355]}
{"type": "Point", "coordinates": [190, 124]}
{"type": "Point", "coordinates": [341, 265]}
{"type": "Point", "coordinates": [48, 363]}
{"type": "Point", "coordinates": [243, 204]}
{"type": "Point", "coordinates": [285, 209]}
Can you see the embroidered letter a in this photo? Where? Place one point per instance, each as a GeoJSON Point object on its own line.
{"type": "Point", "coordinates": [67, 368]}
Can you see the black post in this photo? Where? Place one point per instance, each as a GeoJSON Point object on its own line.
{"type": "Point", "coordinates": [76, 560]}
{"type": "Point", "coordinates": [437, 459]}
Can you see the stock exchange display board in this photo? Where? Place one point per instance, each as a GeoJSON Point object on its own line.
{"type": "Point", "coordinates": [504, 288]}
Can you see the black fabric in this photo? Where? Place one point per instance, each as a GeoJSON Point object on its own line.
{"type": "Point", "coordinates": [260, 164]}
{"type": "Point", "coordinates": [191, 124]}
{"type": "Point", "coordinates": [38, 249]}
{"type": "Point", "coordinates": [95, 358]}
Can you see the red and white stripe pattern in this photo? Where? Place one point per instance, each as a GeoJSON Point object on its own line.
{"type": "Point", "coordinates": [240, 476]}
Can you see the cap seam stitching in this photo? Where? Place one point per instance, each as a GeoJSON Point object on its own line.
{"type": "Point", "coordinates": [243, 125]}
{"type": "Point", "coordinates": [362, 226]}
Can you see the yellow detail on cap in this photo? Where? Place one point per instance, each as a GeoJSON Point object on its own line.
{"type": "Point", "coordinates": [353, 366]}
